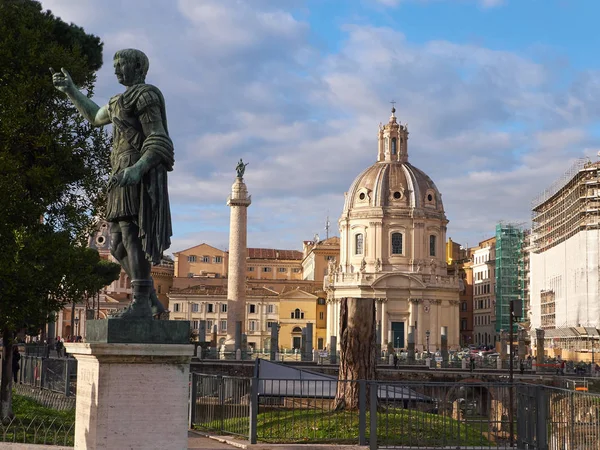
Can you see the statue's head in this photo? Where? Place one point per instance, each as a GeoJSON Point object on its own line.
{"type": "Point", "coordinates": [131, 66]}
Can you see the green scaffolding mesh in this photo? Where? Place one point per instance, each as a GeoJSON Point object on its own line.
{"type": "Point", "coordinates": [510, 280]}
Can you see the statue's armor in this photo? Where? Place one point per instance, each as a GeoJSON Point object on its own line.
{"type": "Point", "coordinates": [129, 110]}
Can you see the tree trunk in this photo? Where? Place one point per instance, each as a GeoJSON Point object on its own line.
{"type": "Point", "coordinates": [7, 376]}
{"type": "Point", "coordinates": [357, 349]}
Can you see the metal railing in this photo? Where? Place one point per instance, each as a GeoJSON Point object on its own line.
{"type": "Point", "coordinates": [221, 404]}
{"type": "Point", "coordinates": [38, 430]}
{"type": "Point", "coordinates": [392, 414]}
{"type": "Point", "coordinates": [55, 374]}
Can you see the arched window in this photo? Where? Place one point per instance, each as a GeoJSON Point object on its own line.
{"type": "Point", "coordinates": [396, 243]}
{"type": "Point", "coordinates": [432, 244]}
{"type": "Point", "coordinates": [394, 148]}
{"type": "Point", "coordinates": [297, 330]}
{"type": "Point", "coordinates": [358, 244]}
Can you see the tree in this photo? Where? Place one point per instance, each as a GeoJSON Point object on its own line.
{"type": "Point", "coordinates": [357, 349]}
{"type": "Point", "coordinates": [53, 169]}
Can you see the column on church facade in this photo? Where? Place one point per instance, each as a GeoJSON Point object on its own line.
{"type": "Point", "coordinates": [379, 320]}
{"type": "Point", "coordinates": [434, 325]}
{"type": "Point", "coordinates": [329, 319]}
{"type": "Point", "coordinates": [384, 322]}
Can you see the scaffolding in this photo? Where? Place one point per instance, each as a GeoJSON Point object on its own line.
{"type": "Point", "coordinates": [570, 205]}
{"type": "Point", "coordinates": [510, 276]}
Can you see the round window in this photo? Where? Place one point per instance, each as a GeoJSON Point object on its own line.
{"type": "Point", "coordinates": [397, 195]}
{"type": "Point", "coordinates": [100, 240]}
{"type": "Point", "coordinates": [362, 196]}
{"type": "Point", "coordinates": [429, 197]}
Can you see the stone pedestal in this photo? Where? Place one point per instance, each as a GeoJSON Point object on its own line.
{"type": "Point", "coordinates": [539, 337]}
{"type": "Point", "coordinates": [132, 396]}
{"type": "Point", "coordinates": [444, 345]}
{"type": "Point", "coordinates": [411, 345]}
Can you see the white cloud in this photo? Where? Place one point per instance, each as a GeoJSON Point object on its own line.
{"type": "Point", "coordinates": [482, 3]}
{"type": "Point", "coordinates": [489, 126]}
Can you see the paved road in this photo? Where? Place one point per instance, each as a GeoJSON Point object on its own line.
{"type": "Point", "coordinates": [196, 442]}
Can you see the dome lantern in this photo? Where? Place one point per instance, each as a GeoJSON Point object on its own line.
{"type": "Point", "coordinates": [393, 140]}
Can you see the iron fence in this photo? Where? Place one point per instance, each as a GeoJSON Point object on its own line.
{"type": "Point", "coordinates": [38, 430]}
{"type": "Point", "coordinates": [397, 414]}
{"type": "Point", "coordinates": [220, 404]}
{"type": "Point", "coordinates": [55, 374]}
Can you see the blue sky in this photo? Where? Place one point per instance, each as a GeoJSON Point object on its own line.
{"type": "Point", "coordinates": [501, 96]}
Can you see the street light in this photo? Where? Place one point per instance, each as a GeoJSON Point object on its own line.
{"type": "Point", "coordinates": [398, 342]}
{"type": "Point", "coordinates": [427, 333]}
{"type": "Point", "coordinates": [77, 326]}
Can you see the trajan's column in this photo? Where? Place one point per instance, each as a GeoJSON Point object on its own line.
{"type": "Point", "coordinates": [238, 201]}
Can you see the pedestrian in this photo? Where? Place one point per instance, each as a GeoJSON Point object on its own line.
{"type": "Point", "coordinates": [15, 362]}
{"type": "Point", "coordinates": [472, 363]}
{"type": "Point", "coordinates": [522, 366]}
{"type": "Point", "coordinates": [59, 347]}
{"type": "Point", "coordinates": [395, 361]}
{"type": "Point", "coordinates": [562, 367]}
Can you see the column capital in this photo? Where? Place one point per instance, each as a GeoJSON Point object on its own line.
{"type": "Point", "coordinates": [415, 301]}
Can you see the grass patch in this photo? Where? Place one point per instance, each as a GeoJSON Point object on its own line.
{"type": "Point", "coordinates": [394, 427]}
{"type": "Point", "coordinates": [35, 424]}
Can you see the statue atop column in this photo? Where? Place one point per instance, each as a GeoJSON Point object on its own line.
{"type": "Point", "coordinates": [241, 168]}
{"type": "Point", "coordinates": [142, 154]}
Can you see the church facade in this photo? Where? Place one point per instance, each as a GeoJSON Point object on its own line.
{"type": "Point", "coordinates": [392, 250]}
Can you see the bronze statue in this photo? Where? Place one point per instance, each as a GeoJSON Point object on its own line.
{"type": "Point", "coordinates": [241, 168]}
{"type": "Point", "coordinates": [142, 154]}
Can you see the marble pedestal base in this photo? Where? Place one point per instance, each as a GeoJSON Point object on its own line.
{"type": "Point", "coordinates": [131, 396]}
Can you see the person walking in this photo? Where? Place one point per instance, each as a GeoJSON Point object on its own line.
{"type": "Point", "coordinates": [59, 346]}
{"type": "Point", "coordinates": [15, 362]}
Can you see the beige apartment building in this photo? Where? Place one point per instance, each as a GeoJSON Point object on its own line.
{"type": "Point", "coordinates": [201, 261]}
{"type": "Point", "coordinates": [292, 309]}
{"type": "Point", "coordinates": [209, 303]}
{"type": "Point", "coordinates": [317, 255]}
{"type": "Point", "coordinates": [273, 264]}
{"type": "Point", "coordinates": [484, 288]}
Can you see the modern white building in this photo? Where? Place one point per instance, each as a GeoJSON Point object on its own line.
{"type": "Point", "coordinates": [564, 263]}
{"type": "Point", "coordinates": [392, 249]}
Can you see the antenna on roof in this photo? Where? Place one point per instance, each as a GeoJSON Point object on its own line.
{"type": "Point", "coordinates": [327, 226]}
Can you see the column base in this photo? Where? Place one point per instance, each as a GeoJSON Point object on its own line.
{"type": "Point", "coordinates": [132, 396]}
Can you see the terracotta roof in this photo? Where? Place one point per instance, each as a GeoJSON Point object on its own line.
{"type": "Point", "coordinates": [271, 253]}
{"type": "Point", "coordinates": [222, 290]}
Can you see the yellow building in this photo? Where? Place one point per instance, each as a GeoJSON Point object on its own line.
{"type": "Point", "coordinates": [201, 261]}
{"type": "Point", "coordinates": [273, 264]}
{"type": "Point", "coordinates": [296, 309]}
{"type": "Point", "coordinates": [317, 256]}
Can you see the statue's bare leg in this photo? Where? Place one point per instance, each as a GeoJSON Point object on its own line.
{"type": "Point", "coordinates": [139, 270]}
{"type": "Point", "coordinates": [120, 254]}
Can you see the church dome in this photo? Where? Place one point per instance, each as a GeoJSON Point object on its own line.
{"type": "Point", "coordinates": [392, 182]}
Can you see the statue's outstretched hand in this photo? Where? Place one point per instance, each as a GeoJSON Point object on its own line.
{"type": "Point", "coordinates": [62, 81]}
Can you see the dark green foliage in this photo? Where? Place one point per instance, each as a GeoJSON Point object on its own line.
{"type": "Point", "coordinates": [53, 170]}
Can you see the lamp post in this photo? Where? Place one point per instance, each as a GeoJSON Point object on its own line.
{"type": "Point", "coordinates": [76, 327]}
{"type": "Point", "coordinates": [398, 342]}
{"type": "Point", "coordinates": [427, 333]}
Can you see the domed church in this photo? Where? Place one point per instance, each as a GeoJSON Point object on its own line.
{"type": "Point", "coordinates": [392, 249]}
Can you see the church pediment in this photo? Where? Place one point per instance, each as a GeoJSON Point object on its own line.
{"type": "Point", "coordinates": [398, 281]}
